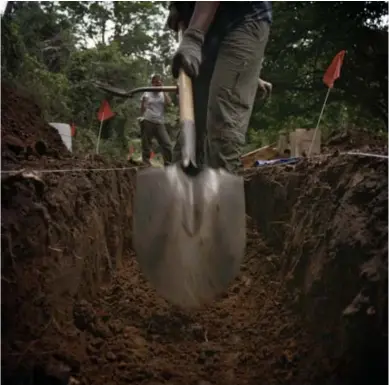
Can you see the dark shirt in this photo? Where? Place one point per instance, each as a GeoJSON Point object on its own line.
{"type": "Point", "coordinates": [245, 11]}
{"type": "Point", "coordinates": [231, 13]}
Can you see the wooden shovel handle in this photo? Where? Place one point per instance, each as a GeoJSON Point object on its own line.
{"type": "Point", "coordinates": [185, 90]}
{"type": "Point", "coordinates": [188, 130]}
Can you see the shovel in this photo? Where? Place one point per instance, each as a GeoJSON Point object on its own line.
{"type": "Point", "coordinates": [189, 222]}
{"type": "Point", "coordinates": [121, 93]}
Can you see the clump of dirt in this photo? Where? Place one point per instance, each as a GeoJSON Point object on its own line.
{"type": "Point", "coordinates": [24, 133]}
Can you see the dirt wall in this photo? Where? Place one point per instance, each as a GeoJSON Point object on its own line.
{"type": "Point", "coordinates": [329, 219]}
{"type": "Point", "coordinates": [270, 194]}
{"type": "Point", "coordinates": [63, 235]}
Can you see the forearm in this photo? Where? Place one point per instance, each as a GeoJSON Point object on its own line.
{"type": "Point", "coordinates": [203, 15]}
{"type": "Point", "coordinates": [168, 100]}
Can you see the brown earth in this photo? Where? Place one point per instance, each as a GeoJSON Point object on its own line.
{"type": "Point", "coordinates": [310, 305]}
{"type": "Point", "coordinates": [357, 139]}
{"type": "Point", "coordinates": [24, 133]}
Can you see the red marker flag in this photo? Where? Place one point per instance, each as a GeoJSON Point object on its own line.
{"type": "Point", "coordinates": [333, 71]}
{"type": "Point", "coordinates": [105, 111]}
{"type": "Point", "coordinates": [73, 129]}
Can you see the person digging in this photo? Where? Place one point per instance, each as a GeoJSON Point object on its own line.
{"type": "Point", "coordinates": [222, 51]}
{"type": "Point", "coordinates": [152, 123]}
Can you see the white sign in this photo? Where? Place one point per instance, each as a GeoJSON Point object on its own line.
{"type": "Point", "coordinates": [66, 133]}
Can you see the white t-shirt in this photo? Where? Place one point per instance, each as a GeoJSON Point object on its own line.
{"type": "Point", "coordinates": [154, 106]}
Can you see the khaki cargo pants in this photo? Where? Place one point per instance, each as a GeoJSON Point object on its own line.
{"type": "Point", "coordinates": [150, 130]}
{"type": "Point", "coordinates": [224, 94]}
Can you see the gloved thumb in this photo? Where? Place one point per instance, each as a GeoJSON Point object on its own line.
{"type": "Point", "coordinates": [182, 62]}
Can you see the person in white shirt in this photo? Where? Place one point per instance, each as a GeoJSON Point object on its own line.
{"type": "Point", "coordinates": [153, 124]}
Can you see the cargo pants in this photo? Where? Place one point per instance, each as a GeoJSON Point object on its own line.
{"type": "Point", "coordinates": [150, 130]}
{"type": "Point", "coordinates": [224, 94]}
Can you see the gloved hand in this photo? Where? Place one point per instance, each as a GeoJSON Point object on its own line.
{"type": "Point", "coordinates": [188, 55]}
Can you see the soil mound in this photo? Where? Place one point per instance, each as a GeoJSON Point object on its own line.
{"type": "Point", "coordinates": [24, 132]}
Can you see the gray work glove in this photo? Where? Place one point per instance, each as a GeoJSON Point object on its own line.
{"type": "Point", "coordinates": [188, 55]}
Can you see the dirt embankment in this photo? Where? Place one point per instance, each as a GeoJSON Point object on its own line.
{"type": "Point", "coordinates": [336, 261]}
{"type": "Point", "coordinates": [24, 133]}
{"type": "Point", "coordinates": [63, 233]}
{"type": "Point", "coordinates": [309, 306]}
{"type": "Point", "coordinates": [328, 219]}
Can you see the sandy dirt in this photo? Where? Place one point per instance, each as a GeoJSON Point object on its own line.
{"type": "Point", "coordinates": [309, 307]}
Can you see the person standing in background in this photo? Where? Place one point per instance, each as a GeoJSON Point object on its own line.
{"type": "Point", "coordinates": [153, 123]}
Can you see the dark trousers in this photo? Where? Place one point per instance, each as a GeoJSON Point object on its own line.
{"type": "Point", "coordinates": [150, 130]}
{"type": "Point", "coordinates": [224, 94]}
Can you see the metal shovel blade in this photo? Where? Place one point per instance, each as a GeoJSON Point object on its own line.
{"type": "Point", "coordinates": [189, 232]}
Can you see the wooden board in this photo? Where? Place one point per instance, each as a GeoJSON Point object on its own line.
{"type": "Point", "coordinates": [263, 153]}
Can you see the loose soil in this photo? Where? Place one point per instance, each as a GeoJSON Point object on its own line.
{"type": "Point", "coordinates": [310, 304]}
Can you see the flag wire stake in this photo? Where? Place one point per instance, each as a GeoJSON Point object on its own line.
{"type": "Point", "coordinates": [318, 121]}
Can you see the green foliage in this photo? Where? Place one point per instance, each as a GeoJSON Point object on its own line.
{"type": "Point", "coordinates": [50, 89]}
{"type": "Point", "coordinates": [56, 50]}
{"type": "Point", "coordinates": [305, 36]}
{"type": "Point", "coordinates": [85, 141]}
